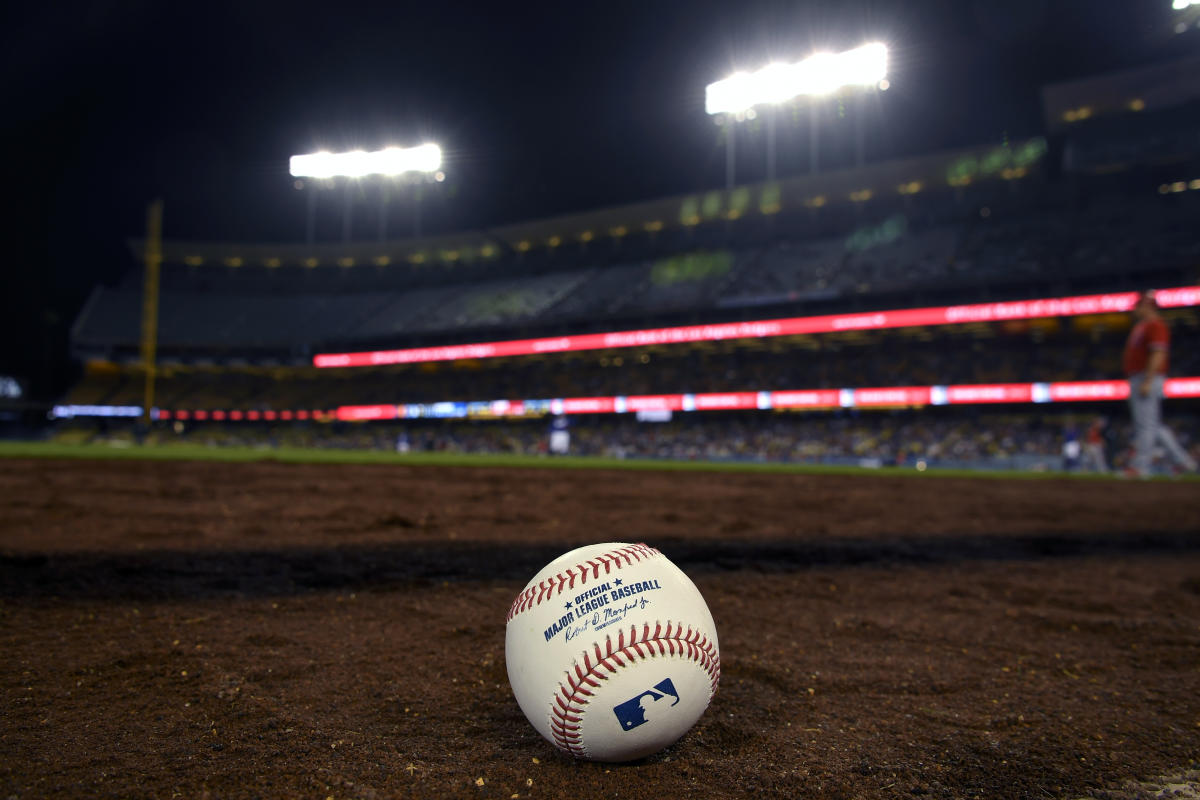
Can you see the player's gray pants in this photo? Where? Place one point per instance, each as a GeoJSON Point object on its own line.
{"type": "Point", "coordinates": [1148, 429]}
{"type": "Point", "coordinates": [1093, 457]}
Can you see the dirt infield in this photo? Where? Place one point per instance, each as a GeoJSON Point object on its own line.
{"type": "Point", "coordinates": [182, 629]}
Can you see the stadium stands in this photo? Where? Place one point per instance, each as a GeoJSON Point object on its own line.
{"type": "Point", "coordinates": [786, 272]}
{"type": "Point", "coordinates": [1039, 240]}
{"type": "Point", "coordinates": [1082, 348]}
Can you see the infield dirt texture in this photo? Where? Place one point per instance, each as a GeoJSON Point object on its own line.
{"type": "Point", "coordinates": [185, 629]}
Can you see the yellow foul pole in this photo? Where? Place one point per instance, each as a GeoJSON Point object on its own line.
{"type": "Point", "coordinates": [153, 261]}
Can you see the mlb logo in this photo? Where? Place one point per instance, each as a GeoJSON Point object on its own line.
{"type": "Point", "coordinates": [642, 708]}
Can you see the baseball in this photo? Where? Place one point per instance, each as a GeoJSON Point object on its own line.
{"type": "Point", "coordinates": [612, 652]}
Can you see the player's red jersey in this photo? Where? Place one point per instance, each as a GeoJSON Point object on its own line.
{"type": "Point", "coordinates": [1147, 335]}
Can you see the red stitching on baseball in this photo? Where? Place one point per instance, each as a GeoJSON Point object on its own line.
{"type": "Point", "coordinates": [555, 585]}
{"type": "Point", "coordinates": [567, 711]}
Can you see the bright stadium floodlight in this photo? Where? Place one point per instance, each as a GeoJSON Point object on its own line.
{"type": "Point", "coordinates": [1180, 5]}
{"type": "Point", "coordinates": [359, 164]}
{"type": "Point", "coordinates": [388, 163]}
{"type": "Point", "coordinates": [819, 74]}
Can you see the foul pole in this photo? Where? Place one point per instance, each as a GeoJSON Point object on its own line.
{"type": "Point", "coordinates": [153, 261]}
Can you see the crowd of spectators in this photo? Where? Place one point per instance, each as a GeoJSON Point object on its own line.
{"type": "Point", "coordinates": [1047, 350]}
{"type": "Point", "coordinates": [961, 438]}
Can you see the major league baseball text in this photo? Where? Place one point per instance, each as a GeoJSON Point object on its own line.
{"type": "Point", "coordinates": [612, 652]}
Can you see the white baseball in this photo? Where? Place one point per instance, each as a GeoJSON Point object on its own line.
{"type": "Point", "coordinates": [612, 652]}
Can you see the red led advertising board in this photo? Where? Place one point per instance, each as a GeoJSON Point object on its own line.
{"type": "Point", "coordinates": [875, 320]}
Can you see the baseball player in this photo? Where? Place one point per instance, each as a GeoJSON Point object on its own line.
{"type": "Point", "coordinates": [560, 436]}
{"type": "Point", "coordinates": [1145, 360]}
{"type": "Point", "coordinates": [1071, 449]}
{"type": "Point", "coordinates": [1093, 447]}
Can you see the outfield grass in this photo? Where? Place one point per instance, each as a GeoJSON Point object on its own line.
{"type": "Point", "coordinates": [294, 455]}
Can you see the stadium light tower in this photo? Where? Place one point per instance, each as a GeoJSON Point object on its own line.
{"type": "Point", "coordinates": [820, 75]}
{"type": "Point", "coordinates": [391, 162]}
{"type": "Point", "coordinates": [1186, 15]}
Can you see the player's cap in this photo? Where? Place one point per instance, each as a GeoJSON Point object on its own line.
{"type": "Point", "coordinates": [1147, 296]}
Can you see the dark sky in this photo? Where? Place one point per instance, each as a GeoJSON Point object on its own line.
{"type": "Point", "coordinates": [541, 109]}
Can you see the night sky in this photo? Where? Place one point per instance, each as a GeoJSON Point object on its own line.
{"type": "Point", "coordinates": [541, 109]}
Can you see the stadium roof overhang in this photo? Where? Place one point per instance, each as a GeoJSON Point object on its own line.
{"type": "Point", "coordinates": [793, 195]}
{"type": "Point", "coordinates": [1149, 88]}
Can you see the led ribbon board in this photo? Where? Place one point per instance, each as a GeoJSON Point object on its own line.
{"type": "Point", "coordinates": [869, 397]}
{"type": "Point", "coordinates": [875, 320]}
